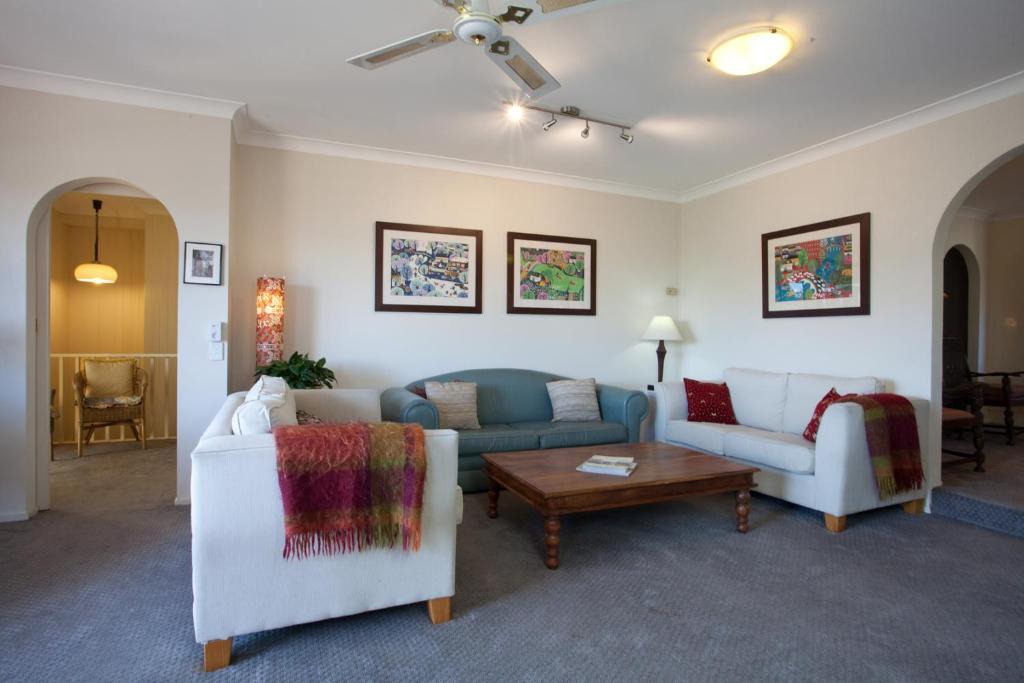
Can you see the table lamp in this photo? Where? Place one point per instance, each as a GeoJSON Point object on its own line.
{"type": "Point", "coordinates": [662, 328]}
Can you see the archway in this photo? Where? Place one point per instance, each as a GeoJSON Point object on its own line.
{"type": "Point", "coordinates": [38, 361]}
{"type": "Point", "coordinates": [940, 247]}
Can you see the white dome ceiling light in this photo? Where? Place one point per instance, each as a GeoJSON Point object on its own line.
{"type": "Point", "coordinates": [751, 51]}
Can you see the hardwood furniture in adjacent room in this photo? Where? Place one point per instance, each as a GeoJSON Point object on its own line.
{"type": "Point", "coordinates": [108, 392]}
{"type": "Point", "coordinates": [960, 389]}
{"type": "Point", "coordinates": [548, 481]}
{"type": "Point", "coordinates": [1008, 395]}
{"type": "Point", "coordinates": [961, 420]}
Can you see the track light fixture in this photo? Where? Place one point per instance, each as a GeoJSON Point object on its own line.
{"type": "Point", "coordinates": [571, 112]}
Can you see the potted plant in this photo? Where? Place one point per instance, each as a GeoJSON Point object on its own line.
{"type": "Point", "coordinates": [300, 372]}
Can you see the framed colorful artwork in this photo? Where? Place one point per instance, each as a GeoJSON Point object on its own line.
{"type": "Point", "coordinates": [819, 269]}
{"type": "Point", "coordinates": [203, 263]}
{"type": "Point", "coordinates": [425, 269]}
{"type": "Point", "coordinates": [551, 275]}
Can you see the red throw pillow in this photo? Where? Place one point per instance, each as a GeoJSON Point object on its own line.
{"type": "Point", "coordinates": [811, 433]}
{"type": "Point", "coordinates": [709, 402]}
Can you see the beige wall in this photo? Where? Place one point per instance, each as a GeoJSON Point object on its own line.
{"type": "Point", "coordinates": [912, 183]}
{"type": "Point", "coordinates": [311, 219]}
{"type": "Point", "coordinates": [52, 144]}
{"type": "Point", "coordinates": [1005, 334]}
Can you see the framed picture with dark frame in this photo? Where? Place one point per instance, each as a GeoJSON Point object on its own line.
{"type": "Point", "coordinates": [550, 275]}
{"type": "Point", "coordinates": [425, 269]}
{"type": "Point", "coordinates": [203, 263]}
{"type": "Point", "coordinates": [818, 269]}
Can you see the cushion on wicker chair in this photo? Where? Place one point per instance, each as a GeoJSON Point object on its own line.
{"type": "Point", "coordinates": [102, 402]}
{"type": "Point", "coordinates": [104, 377]}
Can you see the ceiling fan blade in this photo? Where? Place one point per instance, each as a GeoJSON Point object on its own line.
{"type": "Point", "coordinates": [521, 67]}
{"type": "Point", "coordinates": [547, 6]}
{"type": "Point", "coordinates": [400, 50]}
{"type": "Point", "coordinates": [515, 14]}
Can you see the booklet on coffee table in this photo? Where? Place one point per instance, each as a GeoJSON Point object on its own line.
{"type": "Point", "coordinates": [608, 464]}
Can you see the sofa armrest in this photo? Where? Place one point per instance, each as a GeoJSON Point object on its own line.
{"type": "Point", "coordinates": [401, 405]}
{"type": "Point", "coordinates": [238, 537]}
{"type": "Point", "coordinates": [624, 406]}
{"type": "Point", "coordinates": [670, 404]}
{"type": "Point", "coordinates": [844, 480]}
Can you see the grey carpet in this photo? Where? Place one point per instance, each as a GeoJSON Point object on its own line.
{"type": "Point", "coordinates": [667, 592]}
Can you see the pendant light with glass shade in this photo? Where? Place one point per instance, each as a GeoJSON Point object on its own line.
{"type": "Point", "coordinates": [96, 272]}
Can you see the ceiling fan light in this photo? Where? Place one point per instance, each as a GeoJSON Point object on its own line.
{"type": "Point", "coordinates": [96, 273]}
{"type": "Point", "coordinates": [751, 51]}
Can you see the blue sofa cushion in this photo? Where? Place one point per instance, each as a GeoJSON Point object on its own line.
{"type": "Point", "coordinates": [568, 434]}
{"type": "Point", "coordinates": [503, 395]}
{"type": "Point", "coordinates": [494, 438]}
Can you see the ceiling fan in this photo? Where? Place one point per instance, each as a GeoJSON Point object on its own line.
{"type": "Point", "coordinates": [477, 26]}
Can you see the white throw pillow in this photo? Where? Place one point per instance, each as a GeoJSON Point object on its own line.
{"type": "Point", "coordinates": [574, 400]}
{"type": "Point", "coordinates": [268, 404]}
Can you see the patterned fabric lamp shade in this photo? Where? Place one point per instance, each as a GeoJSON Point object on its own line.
{"type": "Point", "coordinates": [269, 320]}
{"type": "Point", "coordinates": [661, 329]}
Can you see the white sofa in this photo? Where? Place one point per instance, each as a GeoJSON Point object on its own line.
{"type": "Point", "coordinates": [833, 476]}
{"type": "Point", "coordinates": [240, 581]}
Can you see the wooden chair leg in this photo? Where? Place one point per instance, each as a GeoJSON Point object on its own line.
{"type": "Point", "coordinates": [142, 428]}
{"type": "Point", "coordinates": [835, 524]}
{"type": "Point", "coordinates": [440, 610]}
{"type": "Point", "coordinates": [216, 654]}
{"type": "Point", "coordinates": [78, 440]}
{"type": "Point", "coordinates": [914, 507]}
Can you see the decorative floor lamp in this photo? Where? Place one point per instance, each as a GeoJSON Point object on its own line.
{"type": "Point", "coordinates": [661, 329]}
{"type": "Point", "coordinates": [269, 320]}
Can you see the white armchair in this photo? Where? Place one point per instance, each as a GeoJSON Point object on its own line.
{"type": "Point", "coordinates": [240, 581]}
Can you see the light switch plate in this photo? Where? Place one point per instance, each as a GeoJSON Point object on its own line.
{"type": "Point", "coordinates": [215, 332]}
{"type": "Point", "coordinates": [216, 350]}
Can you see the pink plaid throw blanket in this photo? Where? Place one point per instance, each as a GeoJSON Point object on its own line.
{"type": "Point", "coordinates": [350, 486]}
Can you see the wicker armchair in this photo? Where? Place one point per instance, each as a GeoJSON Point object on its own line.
{"type": "Point", "coordinates": [109, 391]}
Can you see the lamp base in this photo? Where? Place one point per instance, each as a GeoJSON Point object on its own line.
{"type": "Point", "coordinates": [661, 353]}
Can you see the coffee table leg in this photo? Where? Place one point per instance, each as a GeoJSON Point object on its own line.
{"type": "Point", "coordinates": [742, 510]}
{"type": "Point", "coordinates": [551, 540]}
{"type": "Point", "coordinates": [492, 499]}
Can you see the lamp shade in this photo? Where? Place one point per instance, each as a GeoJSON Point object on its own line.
{"type": "Point", "coordinates": [662, 327]}
{"type": "Point", "coordinates": [269, 320]}
{"type": "Point", "coordinates": [96, 273]}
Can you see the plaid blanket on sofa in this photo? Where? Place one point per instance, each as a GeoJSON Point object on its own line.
{"type": "Point", "coordinates": [891, 428]}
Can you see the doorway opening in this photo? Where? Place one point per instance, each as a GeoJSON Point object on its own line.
{"type": "Point", "coordinates": [982, 343]}
{"type": "Point", "coordinates": [107, 351]}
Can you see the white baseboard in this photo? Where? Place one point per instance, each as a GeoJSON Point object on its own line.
{"type": "Point", "coordinates": [182, 500]}
{"type": "Point", "coordinates": [20, 516]}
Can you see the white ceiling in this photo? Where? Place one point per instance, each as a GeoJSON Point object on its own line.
{"type": "Point", "coordinates": [1002, 193]}
{"type": "Point", "coordinates": [638, 61]}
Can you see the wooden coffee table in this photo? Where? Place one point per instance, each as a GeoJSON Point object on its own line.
{"type": "Point", "coordinates": [549, 482]}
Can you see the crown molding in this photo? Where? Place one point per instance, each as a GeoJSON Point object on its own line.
{"type": "Point", "coordinates": [59, 84]}
{"type": "Point", "coordinates": [1008, 86]}
{"type": "Point", "coordinates": [1008, 216]}
{"type": "Point", "coordinates": [294, 143]}
{"type": "Point", "coordinates": [975, 213]}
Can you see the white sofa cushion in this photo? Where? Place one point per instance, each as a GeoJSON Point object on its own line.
{"type": "Point", "coordinates": [774, 449]}
{"type": "Point", "coordinates": [268, 404]}
{"type": "Point", "coordinates": [804, 391]}
{"type": "Point", "coordinates": [705, 436]}
{"type": "Point", "coordinates": [758, 398]}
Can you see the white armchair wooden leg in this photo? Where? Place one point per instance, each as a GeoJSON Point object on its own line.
{"type": "Point", "coordinates": [440, 610]}
{"type": "Point", "coordinates": [216, 654]}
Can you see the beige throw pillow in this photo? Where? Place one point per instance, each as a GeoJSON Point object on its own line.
{"type": "Point", "coordinates": [456, 403]}
{"type": "Point", "coordinates": [108, 377]}
{"type": "Point", "coordinates": [574, 400]}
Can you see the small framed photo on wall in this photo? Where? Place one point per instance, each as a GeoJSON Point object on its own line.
{"type": "Point", "coordinates": [819, 269]}
{"type": "Point", "coordinates": [203, 263]}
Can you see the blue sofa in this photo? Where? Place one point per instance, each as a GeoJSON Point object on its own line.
{"type": "Point", "coordinates": [515, 415]}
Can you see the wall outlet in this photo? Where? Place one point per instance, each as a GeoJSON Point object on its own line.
{"type": "Point", "coordinates": [216, 350]}
{"type": "Point", "coordinates": [672, 291]}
